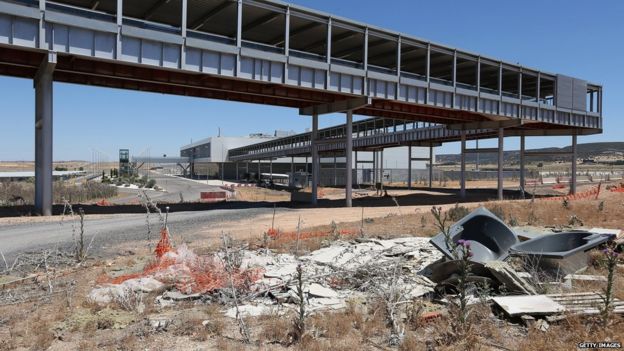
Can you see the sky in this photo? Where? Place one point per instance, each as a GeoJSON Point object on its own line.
{"type": "Point", "coordinates": [579, 38]}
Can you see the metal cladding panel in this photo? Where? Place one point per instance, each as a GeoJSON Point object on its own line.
{"type": "Point", "coordinates": [307, 77]}
{"type": "Point", "coordinates": [80, 41]}
{"type": "Point", "coordinates": [105, 45]}
{"type": "Point", "coordinates": [293, 75]}
{"type": "Point", "coordinates": [529, 112]}
{"type": "Point", "coordinates": [130, 49]}
{"type": "Point", "coordinates": [228, 65]}
{"type": "Point", "coordinates": [210, 62]}
{"type": "Point", "coordinates": [346, 83]}
{"type": "Point", "coordinates": [171, 56]}
{"type": "Point", "coordinates": [489, 106]}
{"type": "Point", "coordinates": [151, 52]}
{"type": "Point", "coordinates": [277, 72]}
{"type": "Point", "coordinates": [565, 85]}
{"type": "Point", "coordinates": [25, 32]}
{"type": "Point", "coordinates": [440, 98]}
{"type": "Point", "coordinates": [5, 29]}
{"type": "Point", "coordinates": [193, 59]}
{"type": "Point", "coordinates": [508, 109]}
{"type": "Point", "coordinates": [579, 95]}
{"type": "Point", "coordinates": [468, 103]}
{"type": "Point", "coordinates": [60, 37]}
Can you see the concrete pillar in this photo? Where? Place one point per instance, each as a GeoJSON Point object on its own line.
{"type": "Point", "coordinates": [501, 149]}
{"type": "Point", "coordinates": [522, 179]}
{"type": "Point", "coordinates": [315, 160]}
{"type": "Point", "coordinates": [462, 175]}
{"type": "Point", "coordinates": [409, 167]}
{"type": "Point", "coordinates": [43, 135]}
{"type": "Point", "coordinates": [430, 166]}
{"type": "Point", "coordinates": [349, 161]}
{"type": "Point", "coordinates": [574, 157]}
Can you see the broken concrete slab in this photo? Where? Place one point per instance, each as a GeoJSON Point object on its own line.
{"type": "Point", "coordinates": [508, 277]}
{"type": "Point", "coordinates": [534, 305]}
{"type": "Point", "coordinates": [317, 290]}
{"type": "Point", "coordinates": [178, 296]}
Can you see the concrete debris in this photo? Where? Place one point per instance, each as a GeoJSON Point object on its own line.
{"type": "Point", "coordinates": [534, 305]}
{"type": "Point", "coordinates": [541, 325]}
{"type": "Point", "coordinates": [508, 277]}
{"type": "Point", "coordinates": [317, 290]}
{"type": "Point", "coordinates": [178, 296]}
{"type": "Point", "coordinates": [108, 293]}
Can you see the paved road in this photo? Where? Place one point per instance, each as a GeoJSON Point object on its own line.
{"type": "Point", "coordinates": [111, 230]}
{"type": "Point", "coordinates": [174, 186]}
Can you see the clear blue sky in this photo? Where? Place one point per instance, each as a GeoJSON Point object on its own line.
{"type": "Point", "coordinates": [574, 37]}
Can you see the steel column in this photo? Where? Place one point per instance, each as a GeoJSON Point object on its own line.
{"type": "Point", "coordinates": [119, 24]}
{"type": "Point", "coordinates": [349, 160]}
{"type": "Point", "coordinates": [574, 157]}
{"type": "Point", "coordinates": [381, 168]}
{"type": "Point", "coordinates": [315, 159]}
{"type": "Point", "coordinates": [501, 141]}
{"type": "Point", "coordinates": [271, 169]}
{"type": "Point", "coordinates": [522, 179]}
{"type": "Point", "coordinates": [335, 171]}
{"type": "Point", "coordinates": [409, 167]}
{"type": "Point", "coordinates": [462, 175]}
{"type": "Point", "coordinates": [430, 167]}
{"type": "Point", "coordinates": [43, 84]}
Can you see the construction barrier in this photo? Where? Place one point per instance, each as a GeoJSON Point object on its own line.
{"type": "Point", "coordinates": [592, 193]}
{"type": "Point", "coordinates": [188, 272]}
{"type": "Point", "coordinates": [213, 196]}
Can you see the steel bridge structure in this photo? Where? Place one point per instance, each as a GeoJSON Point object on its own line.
{"type": "Point", "coordinates": [275, 53]}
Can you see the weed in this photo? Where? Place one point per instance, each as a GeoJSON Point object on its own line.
{"type": "Point", "coordinates": [611, 259]}
{"type": "Point", "coordinates": [458, 212]}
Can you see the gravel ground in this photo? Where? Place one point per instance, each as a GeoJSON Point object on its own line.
{"type": "Point", "coordinates": [112, 230]}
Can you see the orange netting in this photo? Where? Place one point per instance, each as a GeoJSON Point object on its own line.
{"type": "Point", "coordinates": [188, 272]}
{"type": "Point", "coordinates": [589, 194]}
{"type": "Point", "coordinates": [103, 202]}
{"type": "Point", "coordinates": [618, 189]}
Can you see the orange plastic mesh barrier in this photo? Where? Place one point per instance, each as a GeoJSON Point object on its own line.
{"type": "Point", "coordinates": [164, 245]}
{"type": "Point", "coordinates": [592, 193]}
{"type": "Point", "coordinates": [103, 202]}
{"type": "Point", "coordinates": [188, 272]}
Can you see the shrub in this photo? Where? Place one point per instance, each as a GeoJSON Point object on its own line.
{"type": "Point", "coordinates": [150, 183]}
{"type": "Point", "coordinates": [458, 212]}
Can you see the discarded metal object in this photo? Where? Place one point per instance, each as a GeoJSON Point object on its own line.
{"type": "Point", "coordinates": [562, 253]}
{"type": "Point", "coordinates": [497, 275]}
{"type": "Point", "coordinates": [489, 237]}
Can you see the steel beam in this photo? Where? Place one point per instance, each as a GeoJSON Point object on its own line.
{"type": "Point", "coordinates": [501, 140]}
{"type": "Point", "coordinates": [334, 107]}
{"type": "Point", "coordinates": [490, 150]}
{"type": "Point", "coordinates": [349, 160]}
{"type": "Point", "coordinates": [488, 124]}
{"type": "Point", "coordinates": [574, 157]}
{"type": "Point", "coordinates": [43, 84]}
{"type": "Point", "coordinates": [462, 176]}
{"type": "Point", "coordinates": [315, 160]}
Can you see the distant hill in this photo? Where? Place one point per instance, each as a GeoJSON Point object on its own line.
{"type": "Point", "coordinates": [599, 152]}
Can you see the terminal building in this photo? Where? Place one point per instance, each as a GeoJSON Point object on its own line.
{"type": "Point", "coordinates": [209, 159]}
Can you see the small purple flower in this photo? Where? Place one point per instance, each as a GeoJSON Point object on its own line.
{"type": "Point", "coordinates": [461, 242]}
{"type": "Point", "coordinates": [470, 254]}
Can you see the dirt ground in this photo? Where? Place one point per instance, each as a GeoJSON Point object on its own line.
{"type": "Point", "coordinates": [49, 310]}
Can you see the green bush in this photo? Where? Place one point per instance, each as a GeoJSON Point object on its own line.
{"type": "Point", "coordinates": [150, 183]}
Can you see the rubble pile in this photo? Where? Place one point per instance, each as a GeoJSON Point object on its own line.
{"type": "Point", "coordinates": [266, 282]}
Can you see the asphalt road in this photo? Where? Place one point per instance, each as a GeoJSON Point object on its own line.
{"type": "Point", "coordinates": [174, 187]}
{"type": "Point", "coordinates": [110, 230]}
